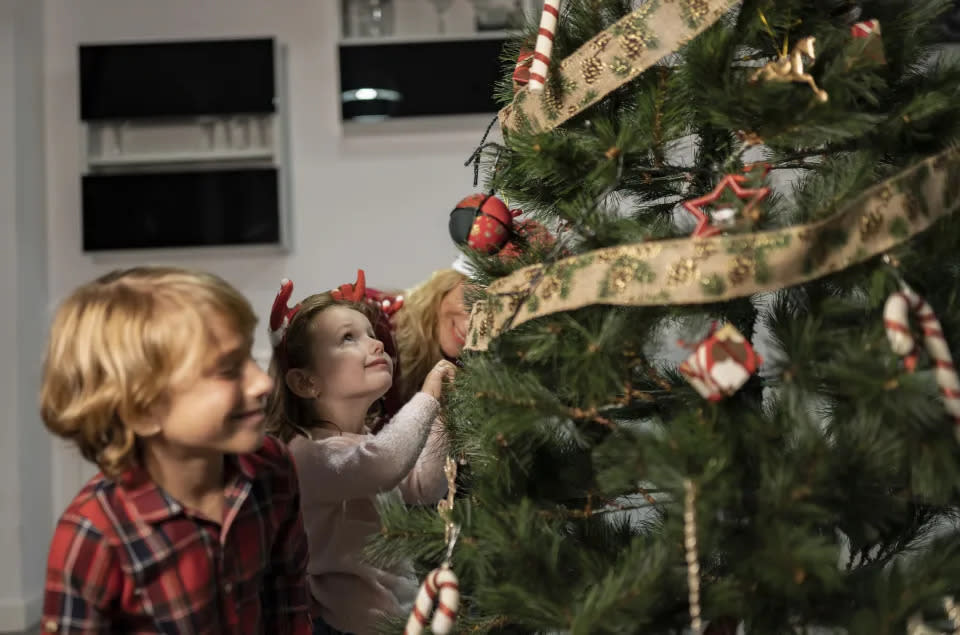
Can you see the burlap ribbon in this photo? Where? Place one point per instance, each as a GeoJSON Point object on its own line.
{"type": "Point", "coordinates": [609, 60]}
{"type": "Point", "coordinates": [704, 270]}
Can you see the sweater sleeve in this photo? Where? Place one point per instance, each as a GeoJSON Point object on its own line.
{"type": "Point", "coordinates": [340, 468]}
{"type": "Point", "coordinates": [426, 483]}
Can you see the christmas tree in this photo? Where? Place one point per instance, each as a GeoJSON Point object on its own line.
{"type": "Point", "coordinates": [724, 396]}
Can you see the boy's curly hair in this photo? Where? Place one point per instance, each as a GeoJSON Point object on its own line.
{"type": "Point", "coordinates": [119, 343]}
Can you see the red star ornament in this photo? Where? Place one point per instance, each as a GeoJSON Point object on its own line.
{"type": "Point", "coordinates": [753, 196]}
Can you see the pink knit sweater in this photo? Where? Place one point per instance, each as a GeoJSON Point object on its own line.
{"type": "Point", "coordinates": [341, 476]}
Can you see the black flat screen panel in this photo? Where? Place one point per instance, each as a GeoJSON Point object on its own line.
{"type": "Point", "coordinates": [432, 78]}
{"type": "Point", "coordinates": [189, 209]}
{"type": "Point", "coordinates": [171, 79]}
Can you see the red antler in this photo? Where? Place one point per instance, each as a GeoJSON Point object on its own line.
{"type": "Point", "coordinates": [360, 292]}
{"type": "Point", "coordinates": [281, 314]}
{"type": "Point", "coordinates": [353, 292]}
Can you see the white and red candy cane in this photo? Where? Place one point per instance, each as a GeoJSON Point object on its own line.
{"type": "Point", "coordinates": [440, 586]}
{"type": "Point", "coordinates": [895, 320]}
{"type": "Point", "coordinates": [541, 52]}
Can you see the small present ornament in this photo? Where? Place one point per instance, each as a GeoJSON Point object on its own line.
{"type": "Point", "coordinates": [869, 47]}
{"type": "Point", "coordinates": [721, 363]}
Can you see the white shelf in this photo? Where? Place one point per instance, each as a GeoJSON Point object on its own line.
{"type": "Point", "coordinates": [472, 124]}
{"type": "Point", "coordinates": [426, 38]}
{"type": "Point", "coordinates": [191, 140]}
{"type": "Point", "coordinates": [153, 158]}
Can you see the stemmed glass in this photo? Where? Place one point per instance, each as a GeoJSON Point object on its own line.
{"type": "Point", "coordinates": [441, 6]}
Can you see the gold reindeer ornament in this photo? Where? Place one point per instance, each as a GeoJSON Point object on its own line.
{"type": "Point", "coordinates": [789, 68]}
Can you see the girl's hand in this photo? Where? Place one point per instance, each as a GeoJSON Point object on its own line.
{"type": "Point", "coordinates": [433, 384]}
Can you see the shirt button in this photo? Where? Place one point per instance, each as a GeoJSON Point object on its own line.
{"type": "Point", "coordinates": [51, 626]}
{"type": "Point", "coordinates": [228, 587]}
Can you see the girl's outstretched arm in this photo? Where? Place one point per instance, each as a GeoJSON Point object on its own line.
{"type": "Point", "coordinates": [343, 467]}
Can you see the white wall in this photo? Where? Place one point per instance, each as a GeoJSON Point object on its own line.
{"type": "Point", "coordinates": [25, 450]}
{"type": "Point", "coordinates": [375, 202]}
{"type": "Point", "coordinates": [378, 201]}
{"type": "Point", "coordinates": [9, 378]}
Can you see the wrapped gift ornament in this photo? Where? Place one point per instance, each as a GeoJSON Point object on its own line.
{"type": "Point", "coordinates": [721, 363]}
{"type": "Point", "coordinates": [870, 36]}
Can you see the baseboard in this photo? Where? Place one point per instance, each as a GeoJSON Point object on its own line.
{"type": "Point", "coordinates": [19, 614]}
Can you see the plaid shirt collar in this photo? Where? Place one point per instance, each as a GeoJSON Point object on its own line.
{"type": "Point", "coordinates": [152, 504]}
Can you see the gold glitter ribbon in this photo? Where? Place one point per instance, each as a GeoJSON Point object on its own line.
{"type": "Point", "coordinates": [704, 270]}
{"type": "Point", "coordinates": [609, 60]}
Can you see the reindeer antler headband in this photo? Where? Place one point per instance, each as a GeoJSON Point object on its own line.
{"type": "Point", "coordinates": [281, 314]}
{"type": "Point", "coordinates": [358, 292]}
{"type": "Point", "coordinates": [353, 292]}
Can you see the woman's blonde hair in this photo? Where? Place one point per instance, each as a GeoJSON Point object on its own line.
{"type": "Point", "coordinates": [288, 414]}
{"type": "Point", "coordinates": [416, 330]}
{"type": "Point", "coordinates": [119, 343]}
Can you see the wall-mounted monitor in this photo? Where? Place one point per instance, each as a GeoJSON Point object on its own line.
{"type": "Point", "coordinates": [181, 209]}
{"type": "Point", "coordinates": [177, 79]}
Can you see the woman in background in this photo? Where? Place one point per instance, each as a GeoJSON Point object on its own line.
{"type": "Point", "coordinates": [429, 327]}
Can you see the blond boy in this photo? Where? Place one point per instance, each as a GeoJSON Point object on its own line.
{"type": "Point", "coordinates": [192, 525]}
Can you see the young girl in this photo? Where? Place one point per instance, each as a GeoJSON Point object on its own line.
{"type": "Point", "coordinates": [329, 369]}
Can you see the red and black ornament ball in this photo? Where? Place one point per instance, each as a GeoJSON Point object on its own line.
{"type": "Point", "coordinates": [481, 222]}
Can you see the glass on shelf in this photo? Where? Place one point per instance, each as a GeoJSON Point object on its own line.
{"type": "Point", "coordinates": [367, 18]}
{"type": "Point", "coordinates": [441, 6]}
{"type": "Point", "coordinates": [497, 15]}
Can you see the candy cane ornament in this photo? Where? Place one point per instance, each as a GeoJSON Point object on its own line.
{"type": "Point", "coordinates": [441, 585]}
{"type": "Point", "coordinates": [895, 320]}
{"type": "Point", "coordinates": [541, 53]}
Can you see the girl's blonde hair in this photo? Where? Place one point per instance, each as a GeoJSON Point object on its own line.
{"type": "Point", "coordinates": [416, 330]}
{"type": "Point", "coordinates": [118, 344]}
{"type": "Point", "coordinates": [288, 414]}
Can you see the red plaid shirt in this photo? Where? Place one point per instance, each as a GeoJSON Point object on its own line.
{"type": "Point", "coordinates": [127, 558]}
